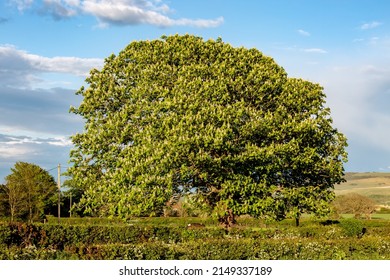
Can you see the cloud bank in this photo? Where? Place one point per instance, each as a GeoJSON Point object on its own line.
{"type": "Point", "coordinates": [358, 95]}
{"type": "Point", "coordinates": [18, 64]}
{"type": "Point", "coordinates": [22, 5]}
{"type": "Point", "coordinates": [35, 122]}
{"type": "Point", "coordinates": [117, 12]}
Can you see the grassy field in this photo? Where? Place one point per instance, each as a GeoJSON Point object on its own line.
{"type": "Point", "coordinates": [374, 185]}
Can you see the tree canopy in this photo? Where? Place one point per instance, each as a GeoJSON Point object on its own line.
{"type": "Point", "coordinates": [28, 192]}
{"type": "Point", "coordinates": [180, 114]}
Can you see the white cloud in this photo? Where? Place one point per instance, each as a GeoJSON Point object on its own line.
{"type": "Point", "coordinates": [22, 69]}
{"type": "Point", "coordinates": [7, 152]}
{"type": "Point", "coordinates": [203, 23]}
{"type": "Point", "coordinates": [358, 96]}
{"type": "Point", "coordinates": [58, 9]}
{"type": "Point", "coordinates": [22, 5]}
{"type": "Point", "coordinates": [124, 12]}
{"type": "Point", "coordinates": [370, 25]}
{"type": "Point", "coordinates": [303, 32]}
{"type": "Point", "coordinates": [60, 141]}
{"type": "Point", "coordinates": [73, 3]}
{"type": "Point", "coordinates": [39, 150]}
{"type": "Point", "coordinates": [37, 121]}
{"type": "Point", "coordinates": [13, 140]}
{"type": "Point", "coordinates": [118, 12]}
{"type": "Point", "coordinates": [23, 140]}
{"type": "Point", "coordinates": [315, 50]}
{"type": "Point", "coordinates": [71, 65]}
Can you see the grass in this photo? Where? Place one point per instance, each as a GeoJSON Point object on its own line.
{"type": "Point", "coordinates": [375, 216]}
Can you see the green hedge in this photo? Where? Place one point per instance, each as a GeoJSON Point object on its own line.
{"type": "Point", "coordinates": [372, 248]}
{"type": "Point", "coordinates": [312, 241]}
{"type": "Point", "coordinates": [59, 236]}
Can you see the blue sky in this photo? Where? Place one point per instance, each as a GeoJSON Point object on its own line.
{"type": "Point", "coordinates": [47, 48]}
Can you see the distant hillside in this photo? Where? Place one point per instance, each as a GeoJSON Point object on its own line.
{"type": "Point", "coordinates": [375, 185]}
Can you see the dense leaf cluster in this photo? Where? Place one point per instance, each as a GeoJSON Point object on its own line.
{"type": "Point", "coordinates": [183, 115]}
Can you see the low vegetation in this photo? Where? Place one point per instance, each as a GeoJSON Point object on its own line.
{"type": "Point", "coordinates": [172, 238]}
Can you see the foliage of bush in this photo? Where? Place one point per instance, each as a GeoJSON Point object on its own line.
{"type": "Point", "coordinates": [5, 234]}
{"type": "Point", "coordinates": [351, 227]}
{"type": "Point", "coordinates": [370, 248]}
{"type": "Point", "coordinates": [154, 242]}
{"type": "Point", "coordinates": [60, 236]}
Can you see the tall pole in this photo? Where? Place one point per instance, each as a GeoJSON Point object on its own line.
{"type": "Point", "coordinates": [59, 192]}
{"type": "Point", "coordinates": [70, 206]}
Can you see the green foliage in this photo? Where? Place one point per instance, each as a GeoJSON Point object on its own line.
{"type": "Point", "coordinates": [196, 206]}
{"type": "Point", "coordinates": [178, 115]}
{"type": "Point", "coordinates": [61, 236]}
{"type": "Point", "coordinates": [28, 192]}
{"type": "Point", "coordinates": [5, 235]}
{"type": "Point", "coordinates": [4, 209]}
{"type": "Point", "coordinates": [351, 227]}
{"type": "Point", "coordinates": [214, 249]}
{"type": "Point", "coordinates": [152, 240]}
{"type": "Point", "coordinates": [72, 196]}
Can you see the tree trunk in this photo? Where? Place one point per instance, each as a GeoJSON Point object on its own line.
{"type": "Point", "coordinates": [297, 221]}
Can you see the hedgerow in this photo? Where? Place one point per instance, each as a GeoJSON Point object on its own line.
{"type": "Point", "coordinates": [154, 242]}
{"type": "Point", "coordinates": [372, 248]}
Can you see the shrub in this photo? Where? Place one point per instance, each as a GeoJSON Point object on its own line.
{"type": "Point", "coordinates": [276, 242]}
{"type": "Point", "coordinates": [351, 227]}
{"type": "Point", "coordinates": [200, 245]}
{"type": "Point", "coordinates": [356, 204]}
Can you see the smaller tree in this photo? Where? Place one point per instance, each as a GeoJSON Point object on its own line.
{"type": "Point", "coordinates": [14, 198]}
{"type": "Point", "coordinates": [28, 191]}
{"type": "Point", "coordinates": [354, 203]}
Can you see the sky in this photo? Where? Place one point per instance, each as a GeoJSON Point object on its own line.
{"type": "Point", "coordinates": [48, 47]}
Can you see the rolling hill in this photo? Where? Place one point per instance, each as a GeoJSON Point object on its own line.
{"type": "Point", "coordinates": [375, 185]}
